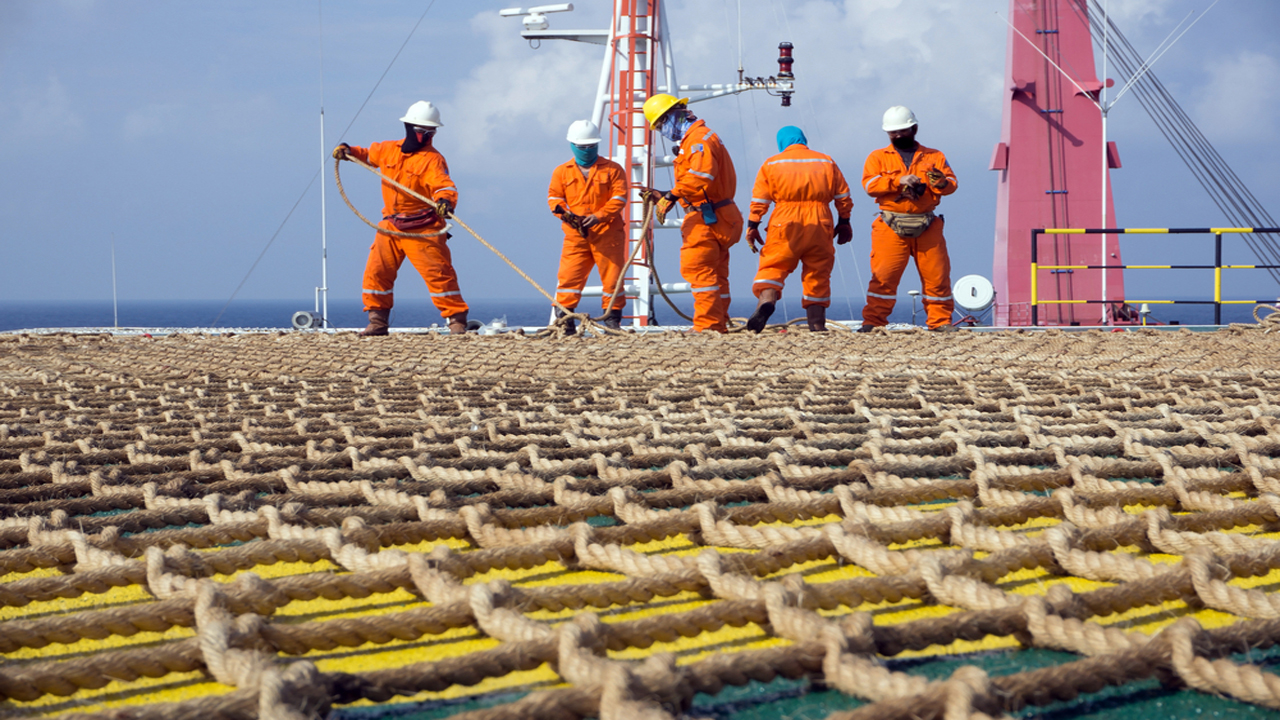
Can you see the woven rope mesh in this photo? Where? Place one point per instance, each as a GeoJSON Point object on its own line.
{"type": "Point", "coordinates": [295, 525]}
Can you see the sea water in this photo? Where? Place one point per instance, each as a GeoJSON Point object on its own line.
{"type": "Point", "coordinates": [421, 313]}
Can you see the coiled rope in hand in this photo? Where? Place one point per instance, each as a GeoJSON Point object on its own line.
{"type": "Point", "coordinates": [587, 321]}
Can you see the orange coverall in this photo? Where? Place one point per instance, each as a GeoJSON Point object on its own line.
{"type": "Point", "coordinates": [890, 252]}
{"type": "Point", "coordinates": [803, 183]}
{"type": "Point", "coordinates": [704, 173]}
{"type": "Point", "coordinates": [426, 173]}
{"type": "Point", "coordinates": [603, 193]}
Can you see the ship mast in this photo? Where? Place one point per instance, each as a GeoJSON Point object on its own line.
{"type": "Point", "coordinates": [639, 62]}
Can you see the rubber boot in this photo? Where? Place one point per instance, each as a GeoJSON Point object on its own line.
{"type": "Point", "coordinates": [613, 320]}
{"type": "Point", "coordinates": [457, 323]}
{"type": "Point", "coordinates": [817, 318]}
{"type": "Point", "coordinates": [379, 321]}
{"type": "Point", "coordinates": [764, 310]}
{"type": "Point", "coordinates": [570, 325]}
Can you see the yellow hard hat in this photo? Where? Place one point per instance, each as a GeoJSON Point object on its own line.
{"type": "Point", "coordinates": [658, 105]}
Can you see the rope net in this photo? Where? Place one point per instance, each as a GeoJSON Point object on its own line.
{"type": "Point", "coordinates": [282, 526]}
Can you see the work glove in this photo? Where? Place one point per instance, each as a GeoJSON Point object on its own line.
{"type": "Point", "coordinates": [665, 204]}
{"type": "Point", "coordinates": [844, 232]}
{"type": "Point", "coordinates": [340, 152]}
{"type": "Point", "coordinates": [753, 236]}
{"type": "Point", "coordinates": [444, 208]}
{"type": "Point", "coordinates": [589, 221]}
{"type": "Point", "coordinates": [912, 186]}
{"type": "Point", "coordinates": [559, 211]}
{"type": "Point", "coordinates": [936, 178]}
{"type": "Point", "coordinates": [575, 222]}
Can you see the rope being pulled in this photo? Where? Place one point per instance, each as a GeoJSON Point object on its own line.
{"type": "Point", "coordinates": [559, 326]}
{"type": "Point", "coordinates": [587, 321]}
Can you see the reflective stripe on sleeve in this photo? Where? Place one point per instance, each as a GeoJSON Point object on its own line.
{"type": "Point", "coordinates": [762, 281]}
{"type": "Point", "coordinates": [554, 197]}
{"type": "Point", "coordinates": [618, 197]}
{"type": "Point", "coordinates": [447, 294]}
{"type": "Point", "coordinates": [568, 291]}
{"type": "Point", "coordinates": [814, 299]}
{"type": "Point", "coordinates": [842, 196]}
{"type": "Point", "coordinates": [882, 297]}
{"type": "Point", "coordinates": [713, 288]}
{"type": "Point", "coordinates": [702, 174]}
{"type": "Point", "coordinates": [761, 200]}
{"type": "Point", "coordinates": [867, 185]}
{"type": "Point", "coordinates": [437, 192]}
{"type": "Point", "coordinates": [798, 160]}
{"type": "Point", "coordinates": [936, 299]}
{"type": "Point", "coordinates": [367, 291]}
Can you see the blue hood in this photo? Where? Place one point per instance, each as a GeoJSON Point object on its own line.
{"type": "Point", "coordinates": [791, 135]}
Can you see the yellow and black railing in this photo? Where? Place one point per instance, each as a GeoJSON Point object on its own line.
{"type": "Point", "coordinates": [1217, 266]}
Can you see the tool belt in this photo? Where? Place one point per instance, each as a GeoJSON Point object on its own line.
{"type": "Point", "coordinates": [708, 210]}
{"type": "Point", "coordinates": [408, 222]}
{"type": "Point", "coordinates": [907, 225]}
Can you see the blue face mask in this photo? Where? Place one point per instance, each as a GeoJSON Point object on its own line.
{"type": "Point", "coordinates": [585, 155]}
{"type": "Point", "coordinates": [674, 129]}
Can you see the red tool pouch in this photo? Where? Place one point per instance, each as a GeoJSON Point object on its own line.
{"type": "Point", "coordinates": [408, 222]}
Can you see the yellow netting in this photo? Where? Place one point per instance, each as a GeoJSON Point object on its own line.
{"type": "Point", "coordinates": [276, 525]}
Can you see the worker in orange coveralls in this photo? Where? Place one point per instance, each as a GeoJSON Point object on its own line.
{"type": "Point", "coordinates": [802, 183]}
{"type": "Point", "coordinates": [417, 165]}
{"type": "Point", "coordinates": [907, 179]}
{"type": "Point", "coordinates": [588, 194]}
{"type": "Point", "coordinates": [705, 185]}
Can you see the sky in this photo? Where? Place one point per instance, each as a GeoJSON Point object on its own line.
{"type": "Point", "coordinates": [185, 133]}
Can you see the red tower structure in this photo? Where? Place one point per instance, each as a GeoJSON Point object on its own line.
{"type": "Point", "coordinates": [1051, 164]}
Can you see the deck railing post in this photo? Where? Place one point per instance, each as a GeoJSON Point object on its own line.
{"type": "Point", "coordinates": [1217, 278]}
{"type": "Point", "coordinates": [1035, 309]}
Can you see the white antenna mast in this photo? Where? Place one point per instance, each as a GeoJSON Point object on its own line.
{"type": "Point", "coordinates": [322, 292]}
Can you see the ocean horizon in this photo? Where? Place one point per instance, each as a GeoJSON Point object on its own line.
{"type": "Point", "coordinates": [419, 312]}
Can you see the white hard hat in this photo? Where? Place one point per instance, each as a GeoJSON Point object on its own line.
{"type": "Point", "coordinates": [583, 132]}
{"type": "Point", "coordinates": [424, 114]}
{"type": "Point", "coordinates": [898, 118]}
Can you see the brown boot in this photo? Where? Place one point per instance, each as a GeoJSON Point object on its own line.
{"type": "Point", "coordinates": [817, 318]}
{"type": "Point", "coordinates": [379, 321]}
{"type": "Point", "coordinates": [458, 323]}
{"type": "Point", "coordinates": [764, 310]}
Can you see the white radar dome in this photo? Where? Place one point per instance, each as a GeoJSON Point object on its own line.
{"type": "Point", "coordinates": [974, 293]}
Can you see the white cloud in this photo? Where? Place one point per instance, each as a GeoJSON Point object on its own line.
{"type": "Point", "coordinates": [519, 93]}
{"type": "Point", "coordinates": [151, 121]}
{"type": "Point", "coordinates": [46, 112]}
{"type": "Point", "coordinates": [1241, 98]}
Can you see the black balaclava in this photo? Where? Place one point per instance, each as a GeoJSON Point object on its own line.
{"type": "Point", "coordinates": [905, 143]}
{"type": "Point", "coordinates": [416, 138]}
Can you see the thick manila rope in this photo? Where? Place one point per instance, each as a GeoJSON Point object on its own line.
{"type": "Point", "coordinates": [1272, 318]}
{"type": "Point", "coordinates": [587, 320]}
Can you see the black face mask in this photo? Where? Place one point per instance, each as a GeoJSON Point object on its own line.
{"type": "Point", "coordinates": [904, 143]}
{"type": "Point", "coordinates": [413, 141]}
